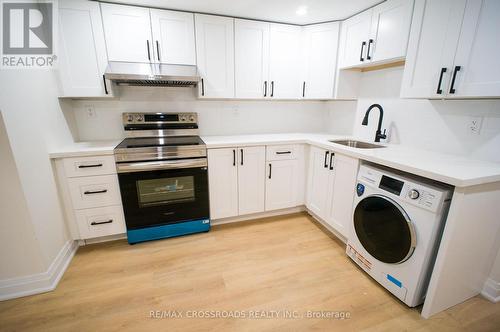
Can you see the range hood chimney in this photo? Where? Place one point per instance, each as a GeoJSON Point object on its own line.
{"type": "Point", "coordinates": [151, 74]}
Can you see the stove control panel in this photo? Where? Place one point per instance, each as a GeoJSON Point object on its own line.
{"type": "Point", "coordinates": [159, 118]}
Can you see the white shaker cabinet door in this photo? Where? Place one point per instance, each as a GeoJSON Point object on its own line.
{"type": "Point", "coordinates": [433, 40]}
{"type": "Point", "coordinates": [318, 182]}
{"type": "Point", "coordinates": [476, 67]}
{"type": "Point", "coordinates": [83, 58]}
{"type": "Point", "coordinates": [282, 184]}
{"type": "Point", "coordinates": [223, 183]}
{"type": "Point", "coordinates": [173, 37]}
{"type": "Point", "coordinates": [128, 33]}
{"type": "Point", "coordinates": [390, 30]}
{"type": "Point", "coordinates": [251, 59]}
{"type": "Point", "coordinates": [251, 179]}
{"type": "Point", "coordinates": [215, 55]}
{"type": "Point", "coordinates": [354, 39]}
{"type": "Point", "coordinates": [285, 62]}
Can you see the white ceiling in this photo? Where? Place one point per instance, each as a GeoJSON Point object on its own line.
{"type": "Point", "coordinates": [286, 11]}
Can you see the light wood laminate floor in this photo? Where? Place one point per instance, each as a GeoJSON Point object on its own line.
{"type": "Point", "coordinates": [277, 264]}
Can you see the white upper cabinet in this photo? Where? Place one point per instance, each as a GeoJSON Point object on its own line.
{"type": "Point", "coordinates": [285, 62]}
{"type": "Point", "coordinates": [215, 55]}
{"type": "Point", "coordinates": [83, 57]}
{"type": "Point", "coordinates": [251, 58]}
{"type": "Point", "coordinates": [128, 33]}
{"type": "Point", "coordinates": [377, 35]}
{"type": "Point", "coordinates": [353, 39]}
{"type": "Point", "coordinates": [390, 29]}
{"type": "Point", "coordinates": [476, 61]}
{"type": "Point", "coordinates": [173, 37]}
{"type": "Point", "coordinates": [433, 41]}
{"type": "Point", "coordinates": [320, 54]}
{"type": "Point", "coordinates": [452, 50]}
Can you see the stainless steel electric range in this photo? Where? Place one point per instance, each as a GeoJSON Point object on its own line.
{"type": "Point", "coordinates": [162, 171]}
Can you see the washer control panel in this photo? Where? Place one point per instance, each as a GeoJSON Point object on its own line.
{"type": "Point", "coordinates": [423, 194]}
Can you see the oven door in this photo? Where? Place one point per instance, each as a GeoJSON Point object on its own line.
{"type": "Point", "coordinates": [163, 192]}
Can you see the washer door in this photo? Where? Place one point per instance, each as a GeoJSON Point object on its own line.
{"type": "Point", "coordinates": [384, 229]}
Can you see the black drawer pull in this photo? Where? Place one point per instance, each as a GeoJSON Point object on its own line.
{"type": "Point", "coordinates": [455, 71]}
{"type": "Point", "coordinates": [158, 50]}
{"type": "Point", "coordinates": [234, 157]}
{"type": "Point", "coordinates": [241, 150]}
{"type": "Point", "coordinates": [95, 192]}
{"type": "Point", "coordinates": [270, 170]}
{"type": "Point", "coordinates": [304, 90]}
{"type": "Point", "coordinates": [89, 166]}
{"type": "Point", "coordinates": [326, 157]}
{"type": "Point", "coordinates": [331, 159]}
{"type": "Point", "coordinates": [149, 54]}
{"type": "Point", "coordinates": [105, 85]}
{"type": "Point", "coordinates": [94, 223]}
{"type": "Point", "coordinates": [283, 152]}
{"type": "Point", "coordinates": [202, 87]}
{"type": "Point", "coordinates": [439, 90]}
{"type": "Point", "coordinates": [272, 88]}
{"type": "Point", "coordinates": [265, 88]}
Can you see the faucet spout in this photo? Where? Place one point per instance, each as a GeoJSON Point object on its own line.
{"type": "Point", "coordinates": [378, 134]}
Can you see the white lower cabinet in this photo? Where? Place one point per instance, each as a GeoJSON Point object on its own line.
{"type": "Point", "coordinates": [91, 195]}
{"type": "Point", "coordinates": [345, 171]}
{"type": "Point", "coordinates": [331, 187]}
{"type": "Point", "coordinates": [284, 176]}
{"type": "Point", "coordinates": [236, 181]}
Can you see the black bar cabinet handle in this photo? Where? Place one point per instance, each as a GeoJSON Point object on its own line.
{"type": "Point", "coordinates": [265, 88]}
{"type": "Point", "coordinates": [158, 50]}
{"type": "Point", "coordinates": [326, 157]}
{"type": "Point", "coordinates": [283, 152]}
{"type": "Point", "coordinates": [149, 53]}
{"type": "Point", "coordinates": [89, 166]}
{"type": "Point", "coordinates": [270, 170]}
{"type": "Point", "coordinates": [452, 86]}
{"type": "Point", "coordinates": [241, 151]}
{"type": "Point", "coordinates": [331, 159]}
{"type": "Point", "coordinates": [439, 91]}
{"type": "Point", "coordinates": [303, 89]}
{"type": "Point", "coordinates": [95, 192]}
{"type": "Point", "coordinates": [234, 157]}
{"type": "Point", "coordinates": [105, 86]}
{"type": "Point", "coordinates": [368, 57]}
{"type": "Point", "coordinates": [202, 87]}
{"type": "Point", "coordinates": [93, 223]}
{"type": "Point", "coordinates": [361, 54]}
{"type": "Point", "coordinates": [272, 88]}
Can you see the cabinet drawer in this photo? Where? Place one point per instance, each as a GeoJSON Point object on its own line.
{"type": "Point", "coordinates": [87, 166]}
{"type": "Point", "coordinates": [94, 191]}
{"type": "Point", "coordinates": [281, 152]}
{"type": "Point", "coordinates": [102, 221]}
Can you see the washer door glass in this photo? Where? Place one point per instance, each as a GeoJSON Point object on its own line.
{"type": "Point", "coordinates": [384, 229]}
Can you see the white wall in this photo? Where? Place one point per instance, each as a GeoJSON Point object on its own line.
{"type": "Point", "coordinates": [438, 125]}
{"type": "Point", "coordinates": [216, 117]}
{"type": "Point", "coordinates": [17, 235]}
{"type": "Point", "coordinates": [35, 123]}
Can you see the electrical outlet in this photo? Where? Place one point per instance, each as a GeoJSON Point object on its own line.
{"type": "Point", "coordinates": [90, 111]}
{"type": "Point", "coordinates": [474, 125]}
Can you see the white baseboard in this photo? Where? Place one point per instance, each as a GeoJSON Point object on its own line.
{"type": "Point", "coordinates": [491, 290]}
{"type": "Point", "coordinates": [40, 282]}
{"type": "Point", "coordinates": [254, 216]}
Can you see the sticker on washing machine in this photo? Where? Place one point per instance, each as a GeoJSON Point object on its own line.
{"type": "Point", "coordinates": [394, 281]}
{"type": "Point", "coordinates": [360, 259]}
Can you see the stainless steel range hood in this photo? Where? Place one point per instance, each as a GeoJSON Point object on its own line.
{"type": "Point", "coordinates": [152, 74]}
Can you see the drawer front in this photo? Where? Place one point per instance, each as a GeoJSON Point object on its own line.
{"type": "Point", "coordinates": [89, 166]}
{"type": "Point", "coordinates": [99, 222]}
{"type": "Point", "coordinates": [94, 191]}
{"type": "Point", "coordinates": [281, 152]}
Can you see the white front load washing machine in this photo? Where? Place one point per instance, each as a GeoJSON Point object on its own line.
{"type": "Point", "coordinates": [396, 228]}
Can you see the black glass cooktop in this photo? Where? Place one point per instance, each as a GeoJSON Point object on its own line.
{"type": "Point", "coordinates": [148, 142]}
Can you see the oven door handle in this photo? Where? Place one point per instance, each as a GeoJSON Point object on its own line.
{"type": "Point", "coordinates": [160, 165]}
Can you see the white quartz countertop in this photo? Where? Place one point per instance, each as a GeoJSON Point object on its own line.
{"type": "Point", "coordinates": [82, 149]}
{"type": "Point", "coordinates": [456, 170]}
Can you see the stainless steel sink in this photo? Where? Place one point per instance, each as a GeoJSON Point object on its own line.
{"type": "Point", "coordinates": [357, 144]}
